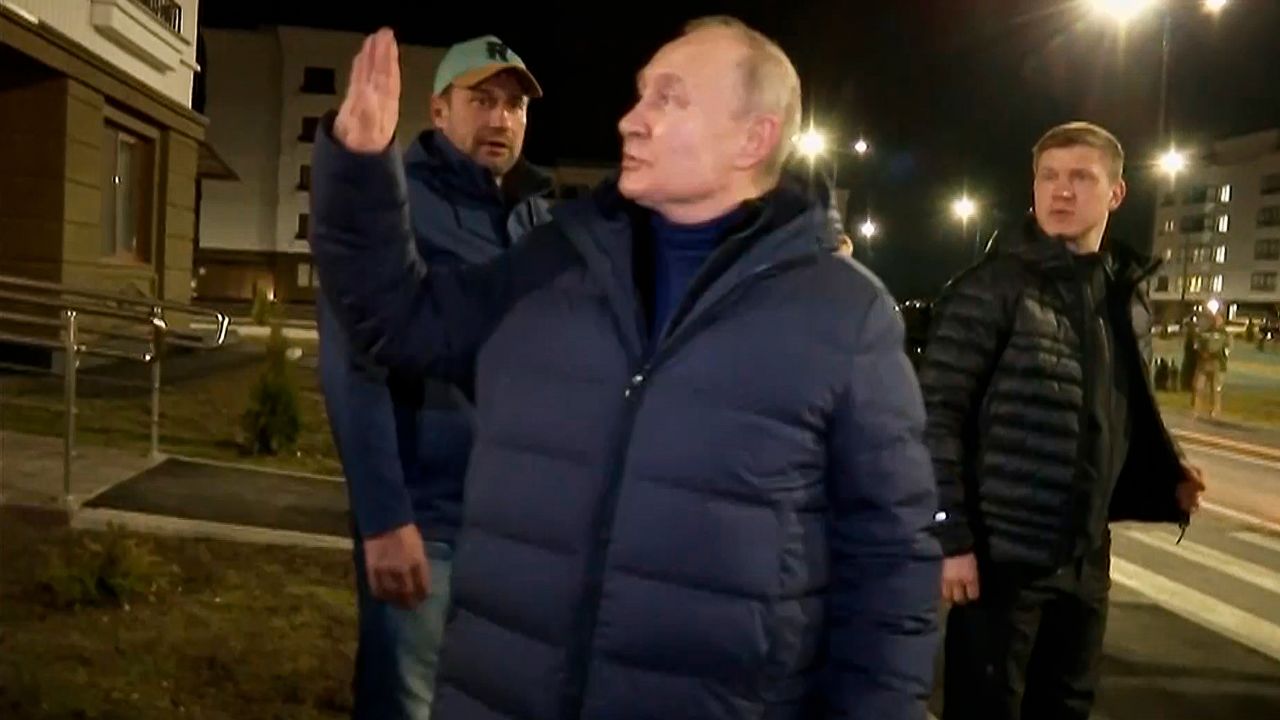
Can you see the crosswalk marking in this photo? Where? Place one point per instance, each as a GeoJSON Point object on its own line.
{"type": "Point", "coordinates": [1243, 517]}
{"type": "Point", "coordinates": [1244, 570]}
{"type": "Point", "coordinates": [1243, 627]}
{"type": "Point", "coordinates": [1255, 538]}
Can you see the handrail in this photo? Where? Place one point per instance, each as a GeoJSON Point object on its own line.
{"type": "Point", "coordinates": [150, 328]}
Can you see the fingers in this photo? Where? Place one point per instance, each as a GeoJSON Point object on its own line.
{"type": "Point", "coordinates": [970, 585]}
{"type": "Point", "coordinates": [385, 61]}
{"type": "Point", "coordinates": [419, 582]}
{"type": "Point", "coordinates": [362, 66]}
{"type": "Point", "coordinates": [395, 587]}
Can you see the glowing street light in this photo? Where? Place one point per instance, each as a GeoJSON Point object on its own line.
{"type": "Point", "coordinates": [1171, 162]}
{"type": "Point", "coordinates": [1122, 11]}
{"type": "Point", "coordinates": [1215, 6]}
{"type": "Point", "coordinates": [1213, 306]}
{"type": "Point", "coordinates": [861, 147]}
{"type": "Point", "coordinates": [964, 208]}
{"type": "Point", "coordinates": [811, 143]}
{"type": "Point", "coordinates": [868, 229]}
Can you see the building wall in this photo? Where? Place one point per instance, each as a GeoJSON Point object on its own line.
{"type": "Point", "coordinates": [1242, 164]}
{"type": "Point", "coordinates": [32, 142]}
{"type": "Point", "coordinates": [256, 107]}
{"type": "Point", "coordinates": [127, 36]}
{"type": "Point", "coordinates": [242, 78]}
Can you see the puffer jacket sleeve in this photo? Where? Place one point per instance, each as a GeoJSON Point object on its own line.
{"type": "Point", "coordinates": [885, 563]}
{"type": "Point", "coordinates": [391, 306]}
{"type": "Point", "coordinates": [970, 325]}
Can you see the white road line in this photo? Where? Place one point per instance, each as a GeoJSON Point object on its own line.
{"type": "Point", "coordinates": [1269, 464]}
{"type": "Point", "coordinates": [1262, 541]}
{"type": "Point", "coordinates": [1219, 441]}
{"type": "Point", "coordinates": [1245, 628]}
{"type": "Point", "coordinates": [1243, 517]}
{"type": "Point", "coordinates": [1244, 570]}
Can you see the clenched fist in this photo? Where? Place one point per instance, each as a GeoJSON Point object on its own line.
{"type": "Point", "coordinates": [367, 119]}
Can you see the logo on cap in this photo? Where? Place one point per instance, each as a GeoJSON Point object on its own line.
{"type": "Point", "coordinates": [497, 51]}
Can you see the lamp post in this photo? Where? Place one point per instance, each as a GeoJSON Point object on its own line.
{"type": "Point", "coordinates": [964, 209]}
{"type": "Point", "coordinates": [1171, 163]}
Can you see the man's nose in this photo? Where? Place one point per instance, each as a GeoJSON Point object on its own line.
{"type": "Point", "coordinates": [631, 123]}
{"type": "Point", "coordinates": [503, 117]}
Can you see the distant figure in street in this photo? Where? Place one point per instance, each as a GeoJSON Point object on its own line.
{"type": "Point", "coordinates": [1213, 346]}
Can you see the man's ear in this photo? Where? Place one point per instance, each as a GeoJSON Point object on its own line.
{"type": "Point", "coordinates": [1118, 193]}
{"type": "Point", "coordinates": [763, 134]}
{"type": "Point", "coordinates": [440, 109]}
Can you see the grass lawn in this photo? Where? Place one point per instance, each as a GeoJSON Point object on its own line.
{"type": "Point", "coordinates": [213, 629]}
{"type": "Point", "coordinates": [200, 414]}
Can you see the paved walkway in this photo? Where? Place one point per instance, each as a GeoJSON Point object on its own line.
{"type": "Point", "coordinates": [31, 470]}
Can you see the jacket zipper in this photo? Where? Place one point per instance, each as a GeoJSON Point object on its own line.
{"type": "Point", "coordinates": [579, 658]}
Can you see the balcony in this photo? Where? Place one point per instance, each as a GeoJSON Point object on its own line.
{"type": "Point", "coordinates": [150, 30]}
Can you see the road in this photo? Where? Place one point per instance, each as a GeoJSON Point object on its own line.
{"type": "Point", "coordinates": [1194, 629]}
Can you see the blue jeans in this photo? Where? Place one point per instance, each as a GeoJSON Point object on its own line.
{"type": "Point", "coordinates": [398, 649]}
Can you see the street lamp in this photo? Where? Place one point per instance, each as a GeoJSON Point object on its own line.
{"type": "Point", "coordinates": [868, 229]}
{"type": "Point", "coordinates": [861, 147]}
{"type": "Point", "coordinates": [1172, 162]}
{"type": "Point", "coordinates": [1122, 11]}
{"type": "Point", "coordinates": [811, 143]}
{"type": "Point", "coordinates": [965, 209]}
{"type": "Point", "coordinates": [1215, 6]}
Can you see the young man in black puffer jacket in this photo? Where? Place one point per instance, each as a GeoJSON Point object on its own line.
{"type": "Point", "coordinates": [1043, 429]}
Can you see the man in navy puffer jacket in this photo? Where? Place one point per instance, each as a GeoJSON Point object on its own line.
{"type": "Point", "coordinates": [699, 488]}
{"type": "Point", "coordinates": [404, 440]}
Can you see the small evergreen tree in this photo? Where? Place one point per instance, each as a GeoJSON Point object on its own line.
{"type": "Point", "coordinates": [272, 422]}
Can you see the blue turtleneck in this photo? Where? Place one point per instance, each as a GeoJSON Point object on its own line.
{"type": "Point", "coordinates": [680, 251]}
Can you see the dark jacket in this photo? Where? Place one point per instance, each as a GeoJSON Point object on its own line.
{"type": "Point", "coordinates": [1010, 388]}
{"type": "Point", "coordinates": [404, 441]}
{"type": "Point", "coordinates": [734, 524]}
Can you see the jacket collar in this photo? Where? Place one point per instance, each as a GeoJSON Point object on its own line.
{"type": "Point", "coordinates": [1029, 243]}
{"type": "Point", "coordinates": [433, 159]}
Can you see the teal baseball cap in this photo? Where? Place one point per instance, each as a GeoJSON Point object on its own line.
{"type": "Point", "coordinates": [473, 61]}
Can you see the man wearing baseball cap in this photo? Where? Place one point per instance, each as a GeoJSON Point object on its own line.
{"type": "Point", "coordinates": [405, 440]}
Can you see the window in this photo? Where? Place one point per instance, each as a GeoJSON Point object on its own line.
{"type": "Point", "coordinates": [1169, 198]}
{"type": "Point", "coordinates": [304, 275]}
{"type": "Point", "coordinates": [304, 177]}
{"type": "Point", "coordinates": [127, 189]}
{"type": "Point", "coordinates": [304, 226]}
{"type": "Point", "coordinates": [1193, 223]}
{"type": "Point", "coordinates": [1168, 254]}
{"type": "Point", "coordinates": [1216, 285]}
{"type": "Point", "coordinates": [1220, 254]}
{"type": "Point", "coordinates": [1167, 228]}
{"type": "Point", "coordinates": [1269, 216]}
{"type": "Point", "coordinates": [1162, 283]}
{"type": "Point", "coordinates": [1263, 282]}
{"type": "Point", "coordinates": [318, 81]}
{"type": "Point", "coordinates": [1271, 184]}
{"type": "Point", "coordinates": [1197, 194]}
{"type": "Point", "coordinates": [1224, 223]}
{"type": "Point", "coordinates": [1195, 283]}
{"type": "Point", "coordinates": [309, 127]}
{"type": "Point", "coordinates": [1267, 249]}
{"type": "Point", "coordinates": [1224, 193]}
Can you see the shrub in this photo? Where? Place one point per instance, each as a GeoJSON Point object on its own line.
{"type": "Point", "coordinates": [272, 421]}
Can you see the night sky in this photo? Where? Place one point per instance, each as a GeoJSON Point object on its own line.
{"type": "Point", "coordinates": [951, 93]}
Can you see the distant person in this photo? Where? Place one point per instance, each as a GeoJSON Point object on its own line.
{"type": "Point", "coordinates": [699, 488]}
{"type": "Point", "coordinates": [1044, 428]}
{"type": "Point", "coordinates": [1213, 347]}
{"type": "Point", "coordinates": [404, 442]}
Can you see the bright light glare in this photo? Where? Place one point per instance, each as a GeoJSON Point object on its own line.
{"type": "Point", "coordinates": [811, 143]}
{"type": "Point", "coordinates": [964, 208]}
{"type": "Point", "coordinates": [1172, 162]}
{"type": "Point", "coordinates": [1215, 6]}
{"type": "Point", "coordinates": [1122, 11]}
{"type": "Point", "coordinates": [868, 229]}
{"type": "Point", "coordinates": [861, 147]}
{"type": "Point", "coordinates": [1213, 305]}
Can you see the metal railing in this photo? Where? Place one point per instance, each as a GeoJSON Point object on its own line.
{"type": "Point", "coordinates": [166, 11]}
{"type": "Point", "coordinates": [81, 323]}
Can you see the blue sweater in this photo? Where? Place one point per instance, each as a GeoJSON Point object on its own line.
{"type": "Point", "coordinates": [680, 251]}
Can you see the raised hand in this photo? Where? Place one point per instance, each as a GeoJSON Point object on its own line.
{"type": "Point", "coordinates": [367, 119]}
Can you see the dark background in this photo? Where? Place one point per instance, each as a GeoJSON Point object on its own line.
{"type": "Point", "coordinates": [951, 94]}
